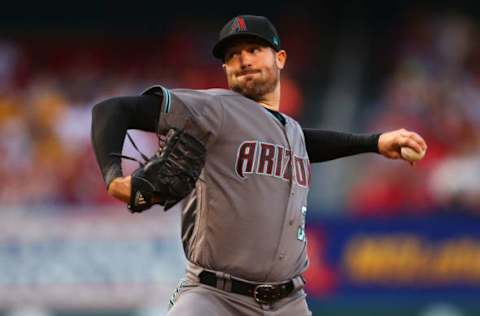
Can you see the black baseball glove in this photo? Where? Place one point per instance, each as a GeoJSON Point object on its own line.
{"type": "Point", "coordinates": [170, 174]}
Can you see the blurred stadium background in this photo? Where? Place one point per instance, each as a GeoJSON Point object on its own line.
{"type": "Point", "coordinates": [384, 238]}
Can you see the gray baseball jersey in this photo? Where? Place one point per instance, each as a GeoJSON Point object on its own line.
{"type": "Point", "coordinates": [246, 216]}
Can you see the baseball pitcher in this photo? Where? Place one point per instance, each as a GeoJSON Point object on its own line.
{"type": "Point", "coordinates": [243, 168]}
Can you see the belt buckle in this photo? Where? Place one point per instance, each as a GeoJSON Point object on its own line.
{"type": "Point", "coordinates": [262, 293]}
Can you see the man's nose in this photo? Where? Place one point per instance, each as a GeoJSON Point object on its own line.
{"type": "Point", "coordinates": [245, 58]}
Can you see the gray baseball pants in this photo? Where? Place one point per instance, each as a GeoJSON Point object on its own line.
{"type": "Point", "coordinates": [194, 299]}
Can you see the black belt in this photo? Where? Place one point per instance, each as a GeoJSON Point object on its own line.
{"type": "Point", "coordinates": [262, 293]}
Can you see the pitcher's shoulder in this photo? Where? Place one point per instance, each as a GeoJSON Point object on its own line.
{"type": "Point", "coordinates": [208, 93]}
{"type": "Point", "coordinates": [221, 92]}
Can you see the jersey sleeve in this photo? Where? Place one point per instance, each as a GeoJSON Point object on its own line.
{"type": "Point", "coordinates": [196, 111]}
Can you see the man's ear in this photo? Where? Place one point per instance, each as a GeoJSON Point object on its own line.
{"type": "Point", "coordinates": [281, 58]}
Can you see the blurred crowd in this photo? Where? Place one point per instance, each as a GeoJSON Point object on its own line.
{"type": "Point", "coordinates": [434, 89]}
{"type": "Point", "coordinates": [48, 88]}
{"type": "Point", "coordinates": [47, 91]}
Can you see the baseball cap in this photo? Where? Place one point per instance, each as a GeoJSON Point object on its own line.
{"type": "Point", "coordinates": [246, 26]}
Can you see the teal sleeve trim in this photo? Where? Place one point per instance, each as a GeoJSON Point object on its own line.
{"type": "Point", "coordinates": [164, 93]}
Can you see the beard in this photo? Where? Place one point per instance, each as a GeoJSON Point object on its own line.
{"type": "Point", "coordinates": [257, 87]}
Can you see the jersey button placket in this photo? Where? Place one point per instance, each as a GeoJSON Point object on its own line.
{"type": "Point", "coordinates": [291, 202]}
{"type": "Point", "coordinates": [291, 212]}
{"type": "Point", "coordinates": [290, 222]}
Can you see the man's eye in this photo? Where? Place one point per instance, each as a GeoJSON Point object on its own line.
{"type": "Point", "coordinates": [230, 56]}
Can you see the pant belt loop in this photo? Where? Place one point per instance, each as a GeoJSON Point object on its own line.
{"type": "Point", "coordinates": [266, 307]}
{"type": "Point", "coordinates": [298, 282]}
{"type": "Point", "coordinates": [220, 280]}
{"type": "Point", "coordinates": [228, 282]}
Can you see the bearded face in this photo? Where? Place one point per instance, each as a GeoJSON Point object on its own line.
{"type": "Point", "coordinates": [251, 69]}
